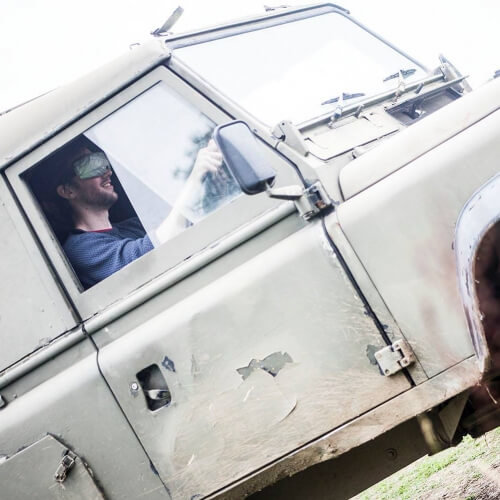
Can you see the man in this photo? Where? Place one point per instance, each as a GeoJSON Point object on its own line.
{"type": "Point", "coordinates": [95, 247]}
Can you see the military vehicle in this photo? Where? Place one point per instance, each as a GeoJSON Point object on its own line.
{"type": "Point", "coordinates": [328, 315]}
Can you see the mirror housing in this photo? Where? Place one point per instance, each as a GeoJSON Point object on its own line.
{"type": "Point", "coordinates": [241, 154]}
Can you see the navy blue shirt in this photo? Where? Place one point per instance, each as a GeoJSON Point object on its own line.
{"type": "Point", "coordinates": [95, 255]}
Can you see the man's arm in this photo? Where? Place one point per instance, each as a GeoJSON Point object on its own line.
{"type": "Point", "coordinates": [209, 159]}
{"type": "Point", "coordinates": [95, 255]}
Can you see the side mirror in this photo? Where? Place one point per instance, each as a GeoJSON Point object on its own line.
{"type": "Point", "coordinates": [242, 155]}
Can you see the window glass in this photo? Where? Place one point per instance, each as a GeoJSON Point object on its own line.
{"type": "Point", "coordinates": [152, 144]}
{"type": "Point", "coordinates": [286, 71]}
{"type": "Point", "coordinates": [136, 179]}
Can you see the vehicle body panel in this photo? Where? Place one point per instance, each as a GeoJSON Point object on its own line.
{"type": "Point", "coordinates": [75, 406]}
{"type": "Point", "coordinates": [35, 310]}
{"type": "Point", "coordinates": [403, 230]}
{"type": "Point", "coordinates": [40, 459]}
{"type": "Point", "coordinates": [361, 430]}
{"type": "Point", "coordinates": [221, 414]}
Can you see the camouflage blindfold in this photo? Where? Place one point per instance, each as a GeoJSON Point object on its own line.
{"type": "Point", "coordinates": [91, 165]}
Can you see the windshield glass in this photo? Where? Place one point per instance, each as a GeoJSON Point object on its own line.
{"type": "Point", "coordinates": [286, 71]}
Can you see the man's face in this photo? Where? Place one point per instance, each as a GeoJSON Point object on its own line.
{"type": "Point", "coordinates": [97, 191]}
{"type": "Point", "coordinates": [93, 192]}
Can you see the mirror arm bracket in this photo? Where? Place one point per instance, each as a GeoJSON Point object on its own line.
{"type": "Point", "coordinates": [310, 202]}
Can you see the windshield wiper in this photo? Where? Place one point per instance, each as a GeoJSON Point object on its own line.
{"type": "Point", "coordinates": [402, 73]}
{"type": "Point", "coordinates": [340, 100]}
{"type": "Point", "coordinates": [343, 97]}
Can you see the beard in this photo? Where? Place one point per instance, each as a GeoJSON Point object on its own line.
{"type": "Point", "coordinates": [101, 199]}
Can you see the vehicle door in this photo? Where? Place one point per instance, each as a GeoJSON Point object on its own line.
{"type": "Point", "coordinates": [247, 338]}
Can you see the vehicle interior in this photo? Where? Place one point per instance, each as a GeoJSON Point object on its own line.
{"type": "Point", "coordinates": [42, 180]}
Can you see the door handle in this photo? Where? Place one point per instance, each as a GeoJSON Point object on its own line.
{"type": "Point", "coordinates": [154, 386]}
{"type": "Point", "coordinates": [157, 394]}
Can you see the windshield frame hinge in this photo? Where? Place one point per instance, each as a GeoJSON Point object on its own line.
{"type": "Point", "coordinates": [395, 357]}
{"type": "Point", "coordinates": [286, 131]}
{"type": "Point", "coordinates": [450, 73]}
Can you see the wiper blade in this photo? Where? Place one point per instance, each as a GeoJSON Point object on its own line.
{"type": "Point", "coordinates": [402, 73]}
{"type": "Point", "coordinates": [343, 97]}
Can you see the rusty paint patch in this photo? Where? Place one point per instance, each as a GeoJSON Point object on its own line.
{"type": "Point", "coordinates": [271, 364]}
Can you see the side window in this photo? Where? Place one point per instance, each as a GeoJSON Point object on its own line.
{"type": "Point", "coordinates": [153, 143]}
{"type": "Point", "coordinates": [139, 148]}
{"type": "Point", "coordinates": [132, 181]}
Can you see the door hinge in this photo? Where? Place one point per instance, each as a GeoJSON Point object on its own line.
{"type": "Point", "coordinates": [395, 357]}
{"type": "Point", "coordinates": [66, 464]}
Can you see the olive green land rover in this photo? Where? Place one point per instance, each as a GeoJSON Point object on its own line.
{"type": "Point", "coordinates": [330, 311]}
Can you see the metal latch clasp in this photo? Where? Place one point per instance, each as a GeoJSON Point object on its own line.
{"type": "Point", "coordinates": [66, 464]}
{"type": "Point", "coordinates": [394, 358]}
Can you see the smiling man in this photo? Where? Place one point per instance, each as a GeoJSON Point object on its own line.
{"type": "Point", "coordinates": [97, 248]}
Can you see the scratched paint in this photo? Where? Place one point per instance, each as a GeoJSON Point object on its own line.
{"type": "Point", "coordinates": [168, 364]}
{"type": "Point", "coordinates": [271, 364]}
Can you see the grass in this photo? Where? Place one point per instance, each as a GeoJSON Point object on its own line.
{"type": "Point", "coordinates": [469, 471]}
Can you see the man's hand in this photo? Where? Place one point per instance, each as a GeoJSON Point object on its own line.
{"type": "Point", "coordinates": [208, 160]}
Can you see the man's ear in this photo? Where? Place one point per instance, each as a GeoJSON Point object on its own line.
{"type": "Point", "coordinates": [65, 191]}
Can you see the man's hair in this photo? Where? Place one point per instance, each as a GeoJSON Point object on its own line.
{"type": "Point", "coordinates": [54, 171]}
{"type": "Point", "coordinates": [64, 158]}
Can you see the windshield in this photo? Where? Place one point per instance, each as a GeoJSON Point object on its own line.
{"type": "Point", "coordinates": [286, 71]}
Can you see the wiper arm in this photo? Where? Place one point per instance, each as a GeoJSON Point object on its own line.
{"type": "Point", "coordinates": [356, 107]}
{"type": "Point", "coordinates": [340, 99]}
{"type": "Point", "coordinates": [343, 97]}
{"type": "Point", "coordinates": [402, 73]}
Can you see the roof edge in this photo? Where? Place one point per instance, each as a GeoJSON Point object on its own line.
{"type": "Point", "coordinates": [27, 126]}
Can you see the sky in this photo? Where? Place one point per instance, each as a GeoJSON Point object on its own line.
{"type": "Point", "coordinates": [46, 43]}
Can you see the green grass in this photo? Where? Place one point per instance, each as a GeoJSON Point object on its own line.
{"type": "Point", "coordinates": [453, 468]}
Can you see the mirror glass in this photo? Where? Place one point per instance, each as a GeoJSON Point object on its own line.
{"type": "Point", "coordinates": [242, 154]}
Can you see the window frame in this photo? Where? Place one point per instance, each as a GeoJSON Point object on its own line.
{"type": "Point", "coordinates": [172, 254]}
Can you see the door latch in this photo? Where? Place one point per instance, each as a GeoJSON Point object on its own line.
{"type": "Point", "coordinates": [395, 357]}
{"type": "Point", "coordinates": [66, 464]}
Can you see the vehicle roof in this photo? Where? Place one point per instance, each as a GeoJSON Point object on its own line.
{"type": "Point", "coordinates": [28, 125]}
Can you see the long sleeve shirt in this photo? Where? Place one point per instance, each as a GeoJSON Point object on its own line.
{"type": "Point", "coordinates": [95, 255]}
